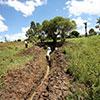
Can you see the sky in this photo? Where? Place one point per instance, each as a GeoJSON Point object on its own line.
{"type": "Point", "coordinates": [16, 15]}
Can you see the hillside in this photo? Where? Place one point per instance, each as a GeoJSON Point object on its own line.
{"type": "Point", "coordinates": [83, 55]}
{"type": "Point", "coordinates": [10, 57]}
{"type": "Point", "coordinates": [74, 73]}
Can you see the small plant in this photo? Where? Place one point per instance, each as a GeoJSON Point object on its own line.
{"type": "Point", "coordinates": [16, 48]}
{"type": "Point", "coordinates": [92, 32]}
{"type": "Point", "coordinates": [11, 60]}
{"type": "Point", "coordinates": [64, 51]}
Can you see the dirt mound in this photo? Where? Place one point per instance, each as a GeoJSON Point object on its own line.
{"type": "Point", "coordinates": [38, 82]}
{"type": "Point", "coordinates": [28, 51]}
{"type": "Point", "coordinates": [20, 82]}
{"type": "Point", "coordinates": [58, 85]}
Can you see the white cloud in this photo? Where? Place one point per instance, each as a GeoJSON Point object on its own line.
{"type": "Point", "coordinates": [80, 25]}
{"type": "Point", "coordinates": [1, 38]}
{"type": "Point", "coordinates": [16, 36]}
{"type": "Point", "coordinates": [80, 8]}
{"type": "Point", "coordinates": [26, 8]}
{"type": "Point", "coordinates": [79, 21]}
{"type": "Point", "coordinates": [1, 18]}
{"type": "Point", "coordinates": [3, 27]}
{"type": "Point", "coordinates": [20, 35]}
{"type": "Point", "coordinates": [77, 7]}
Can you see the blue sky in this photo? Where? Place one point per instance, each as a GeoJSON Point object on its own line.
{"type": "Point", "coordinates": [16, 15]}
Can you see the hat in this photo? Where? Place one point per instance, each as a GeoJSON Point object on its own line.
{"type": "Point", "coordinates": [49, 48]}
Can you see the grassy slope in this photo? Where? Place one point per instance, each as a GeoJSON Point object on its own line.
{"type": "Point", "coordinates": [9, 58]}
{"type": "Point", "coordinates": [84, 62]}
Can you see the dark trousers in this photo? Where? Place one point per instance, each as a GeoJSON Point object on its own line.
{"type": "Point", "coordinates": [26, 45]}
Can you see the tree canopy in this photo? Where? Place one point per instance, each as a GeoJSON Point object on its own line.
{"type": "Point", "coordinates": [98, 20]}
{"type": "Point", "coordinates": [52, 28]}
{"type": "Point", "coordinates": [98, 23]}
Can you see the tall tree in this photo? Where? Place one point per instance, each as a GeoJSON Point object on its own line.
{"type": "Point", "coordinates": [98, 23]}
{"type": "Point", "coordinates": [52, 28]}
{"type": "Point", "coordinates": [45, 26]}
{"type": "Point", "coordinates": [30, 34]}
{"type": "Point", "coordinates": [58, 26]}
{"type": "Point", "coordinates": [32, 26]}
{"type": "Point", "coordinates": [85, 29]}
{"type": "Point", "coordinates": [33, 32]}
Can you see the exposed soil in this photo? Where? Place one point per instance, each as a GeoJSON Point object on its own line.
{"type": "Point", "coordinates": [20, 82]}
{"type": "Point", "coordinates": [38, 81]}
{"type": "Point", "coordinates": [27, 51]}
{"type": "Point", "coordinates": [57, 85]}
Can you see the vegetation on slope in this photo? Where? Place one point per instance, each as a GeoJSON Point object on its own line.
{"type": "Point", "coordinates": [9, 57]}
{"type": "Point", "coordinates": [84, 62]}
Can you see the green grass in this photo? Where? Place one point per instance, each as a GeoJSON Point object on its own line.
{"type": "Point", "coordinates": [9, 58]}
{"type": "Point", "coordinates": [83, 55]}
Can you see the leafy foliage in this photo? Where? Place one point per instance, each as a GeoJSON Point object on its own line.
{"type": "Point", "coordinates": [98, 24]}
{"type": "Point", "coordinates": [74, 34]}
{"type": "Point", "coordinates": [58, 26]}
{"type": "Point", "coordinates": [98, 20]}
{"type": "Point", "coordinates": [52, 28]}
{"type": "Point", "coordinates": [92, 32]}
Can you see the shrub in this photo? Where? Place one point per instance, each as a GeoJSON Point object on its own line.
{"type": "Point", "coordinates": [19, 40]}
{"type": "Point", "coordinates": [92, 32]}
{"type": "Point", "coordinates": [74, 34]}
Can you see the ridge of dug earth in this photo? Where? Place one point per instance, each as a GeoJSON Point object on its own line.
{"type": "Point", "coordinates": [19, 82]}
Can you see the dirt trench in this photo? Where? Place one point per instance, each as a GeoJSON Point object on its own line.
{"type": "Point", "coordinates": [57, 85]}
{"type": "Point", "coordinates": [20, 82]}
{"type": "Point", "coordinates": [38, 81]}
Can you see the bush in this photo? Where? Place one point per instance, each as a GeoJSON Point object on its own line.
{"type": "Point", "coordinates": [92, 32]}
{"type": "Point", "coordinates": [19, 40]}
{"type": "Point", "coordinates": [74, 34]}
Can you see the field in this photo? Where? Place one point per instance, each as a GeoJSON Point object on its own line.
{"type": "Point", "coordinates": [10, 57]}
{"type": "Point", "coordinates": [83, 55]}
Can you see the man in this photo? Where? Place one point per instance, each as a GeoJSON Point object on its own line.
{"type": "Point", "coordinates": [26, 44]}
{"type": "Point", "coordinates": [48, 53]}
